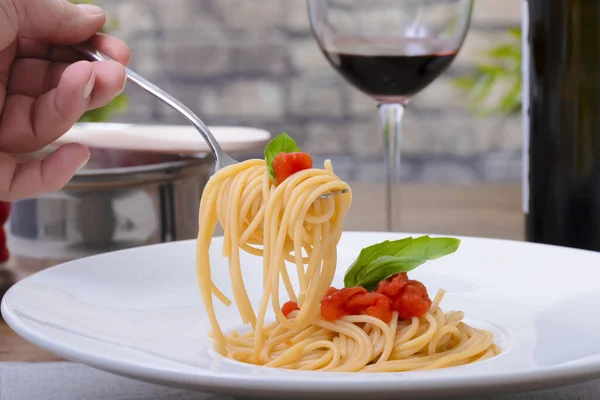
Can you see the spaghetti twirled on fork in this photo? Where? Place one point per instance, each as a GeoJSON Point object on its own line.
{"type": "Point", "coordinates": [295, 232]}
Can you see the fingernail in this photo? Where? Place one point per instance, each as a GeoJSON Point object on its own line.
{"type": "Point", "coordinates": [124, 82]}
{"type": "Point", "coordinates": [83, 164]}
{"type": "Point", "coordinates": [89, 86]}
{"type": "Point", "coordinates": [90, 9]}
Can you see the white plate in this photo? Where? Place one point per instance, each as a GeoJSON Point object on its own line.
{"type": "Point", "coordinates": [138, 313]}
{"type": "Point", "coordinates": [182, 139]}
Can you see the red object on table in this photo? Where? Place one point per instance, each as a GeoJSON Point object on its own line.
{"type": "Point", "coordinates": [4, 213]}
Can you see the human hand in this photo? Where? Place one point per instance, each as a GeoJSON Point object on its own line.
{"type": "Point", "coordinates": [45, 88]}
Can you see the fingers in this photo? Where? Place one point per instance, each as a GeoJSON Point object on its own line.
{"type": "Point", "coordinates": [112, 47]}
{"type": "Point", "coordinates": [57, 21]}
{"type": "Point", "coordinates": [29, 48]}
{"type": "Point", "coordinates": [28, 124]}
{"type": "Point", "coordinates": [8, 23]}
{"type": "Point", "coordinates": [32, 77]}
{"type": "Point", "coordinates": [6, 58]}
{"type": "Point", "coordinates": [109, 45]}
{"type": "Point", "coordinates": [36, 177]}
{"type": "Point", "coordinates": [110, 81]}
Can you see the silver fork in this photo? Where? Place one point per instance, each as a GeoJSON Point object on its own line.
{"type": "Point", "coordinates": [222, 159]}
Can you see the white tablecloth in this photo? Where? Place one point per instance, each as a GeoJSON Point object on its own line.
{"type": "Point", "coordinates": [70, 381]}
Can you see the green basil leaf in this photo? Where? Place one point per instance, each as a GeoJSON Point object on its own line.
{"type": "Point", "coordinates": [371, 253]}
{"type": "Point", "coordinates": [432, 248]}
{"type": "Point", "coordinates": [381, 261]}
{"type": "Point", "coordinates": [385, 267]}
{"type": "Point", "coordinates": [282, 143]}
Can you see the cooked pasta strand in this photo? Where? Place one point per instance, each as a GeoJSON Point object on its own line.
{"type": "Point", "coordinates": [288, 223]}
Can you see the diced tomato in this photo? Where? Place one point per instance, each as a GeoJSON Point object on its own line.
{"type": "Point", "coordinates": [360, 302]}
{"type": "Point", "coordinates": [393, 285]}
{"type": "Point", "coordinates": [383, 310]}
{"type": "Point", "coordinates": [373, 304]}
{"type": "Point", "coordinates": [398, 293]}
{"type": "Point", "coordinates": [348, 293]}
{"type": "Point", "coordinates": [418, 285]}
{"type": "Point", "coordinates": [356, 301]}
{"type": "Point", "coordinates": [287, 164]}
{"type": "Point", "coordinates": [412, 301]}
{"type": "Point", "coordinates": [333, 307]}
{"type": "Point", "coordinates": [289, 308]}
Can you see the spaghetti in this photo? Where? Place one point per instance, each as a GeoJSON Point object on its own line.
{"type": "Point", "coordinates": [290, 223]}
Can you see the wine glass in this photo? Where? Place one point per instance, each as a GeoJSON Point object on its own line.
{"type": "Point", "coordinates": [390, 50]}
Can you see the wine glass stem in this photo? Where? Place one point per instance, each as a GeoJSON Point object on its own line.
{"type": "Point", "coordinates": [391, 121]}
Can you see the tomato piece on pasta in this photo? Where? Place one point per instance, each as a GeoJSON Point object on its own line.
{"type": "Point", "coordinates": [289, 308]}
{"type": "Point", "coordinates": [392, 286]}
{"type": "Point", "coordinates": [373, 304]}
{"type": "Point", "coordinates": [383, 310]}
{"type": "Point", "coordinates": [412, 301]}
{"type": "Point", "coordinates": [287, 164]}
{"type": "Point", "coordinates": [333, 307]}
{"type": "Point", "coordinates": [398, 293]}
{"type": "Point", "coordinates": [358, 303]}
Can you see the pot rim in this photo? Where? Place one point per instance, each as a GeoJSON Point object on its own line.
{"type": "Point", "coordinates": [129, 177]}
{"type": "Point", "coordinates": [187, 161]}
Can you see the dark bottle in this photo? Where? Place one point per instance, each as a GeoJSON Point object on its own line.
{"type": "Point", "coordinates": [561, 115]}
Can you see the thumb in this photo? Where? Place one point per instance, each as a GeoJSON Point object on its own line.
{"type": "Point", "coordinates": [57, 21]}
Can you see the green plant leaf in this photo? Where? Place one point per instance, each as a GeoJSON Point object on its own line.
{"type": "Point", "coordinates": [507, 51]}
{"type": "Point", "coordinates": [385, 267]}
{"type": "Point", "coordinates": [501, 73]}
{"type": "Point", "coordinates": [465, 82]}
{"type": "Point", "coordinates": [512, 101]}
{"type": "Point", "coordinates": [119, 103]}
{"type": "Point", "coordinates": [517, 33]}
{"type": "Point", "coordinates": [106, 113]}
{"type": "Point", "coordinates": [492, 70]}
{"type": "Point", "coordinates": [370, 254]}
{"type": "Point", "coordinates": [482, 89]}
{"type": "Point", "coordinates": [383, 260]}
{"type": "Point", "coordinates": [282, 143]}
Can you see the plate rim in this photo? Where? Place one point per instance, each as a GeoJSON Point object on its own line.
{"type": "Point", "coordinates": [301, 382]}
{"type": "Point", "coordinates": [260, 137]}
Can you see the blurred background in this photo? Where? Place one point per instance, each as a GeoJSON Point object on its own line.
{"type": "Point", "coordinates": [255, 63]}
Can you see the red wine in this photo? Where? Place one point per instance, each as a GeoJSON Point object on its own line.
{"type": "Point", "coordinates": [388, 70]}
{"type": "Point", "coordinates": [561, 115]}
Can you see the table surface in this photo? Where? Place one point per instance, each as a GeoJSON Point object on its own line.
{"type": "Point", "coordinates": [487, 210]}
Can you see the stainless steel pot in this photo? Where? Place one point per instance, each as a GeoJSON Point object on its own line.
{"type": "Point", "coordinates": [119, 200]}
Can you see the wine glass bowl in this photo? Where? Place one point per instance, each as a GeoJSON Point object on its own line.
{"type": "Point", "coordinates": [390, 50]}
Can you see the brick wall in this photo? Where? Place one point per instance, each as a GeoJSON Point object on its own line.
{"type": "Point", "coordinates": [254, 62]}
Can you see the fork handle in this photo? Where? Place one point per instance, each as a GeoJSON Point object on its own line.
{"type": "Point", "coordinates": [221, 158]}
